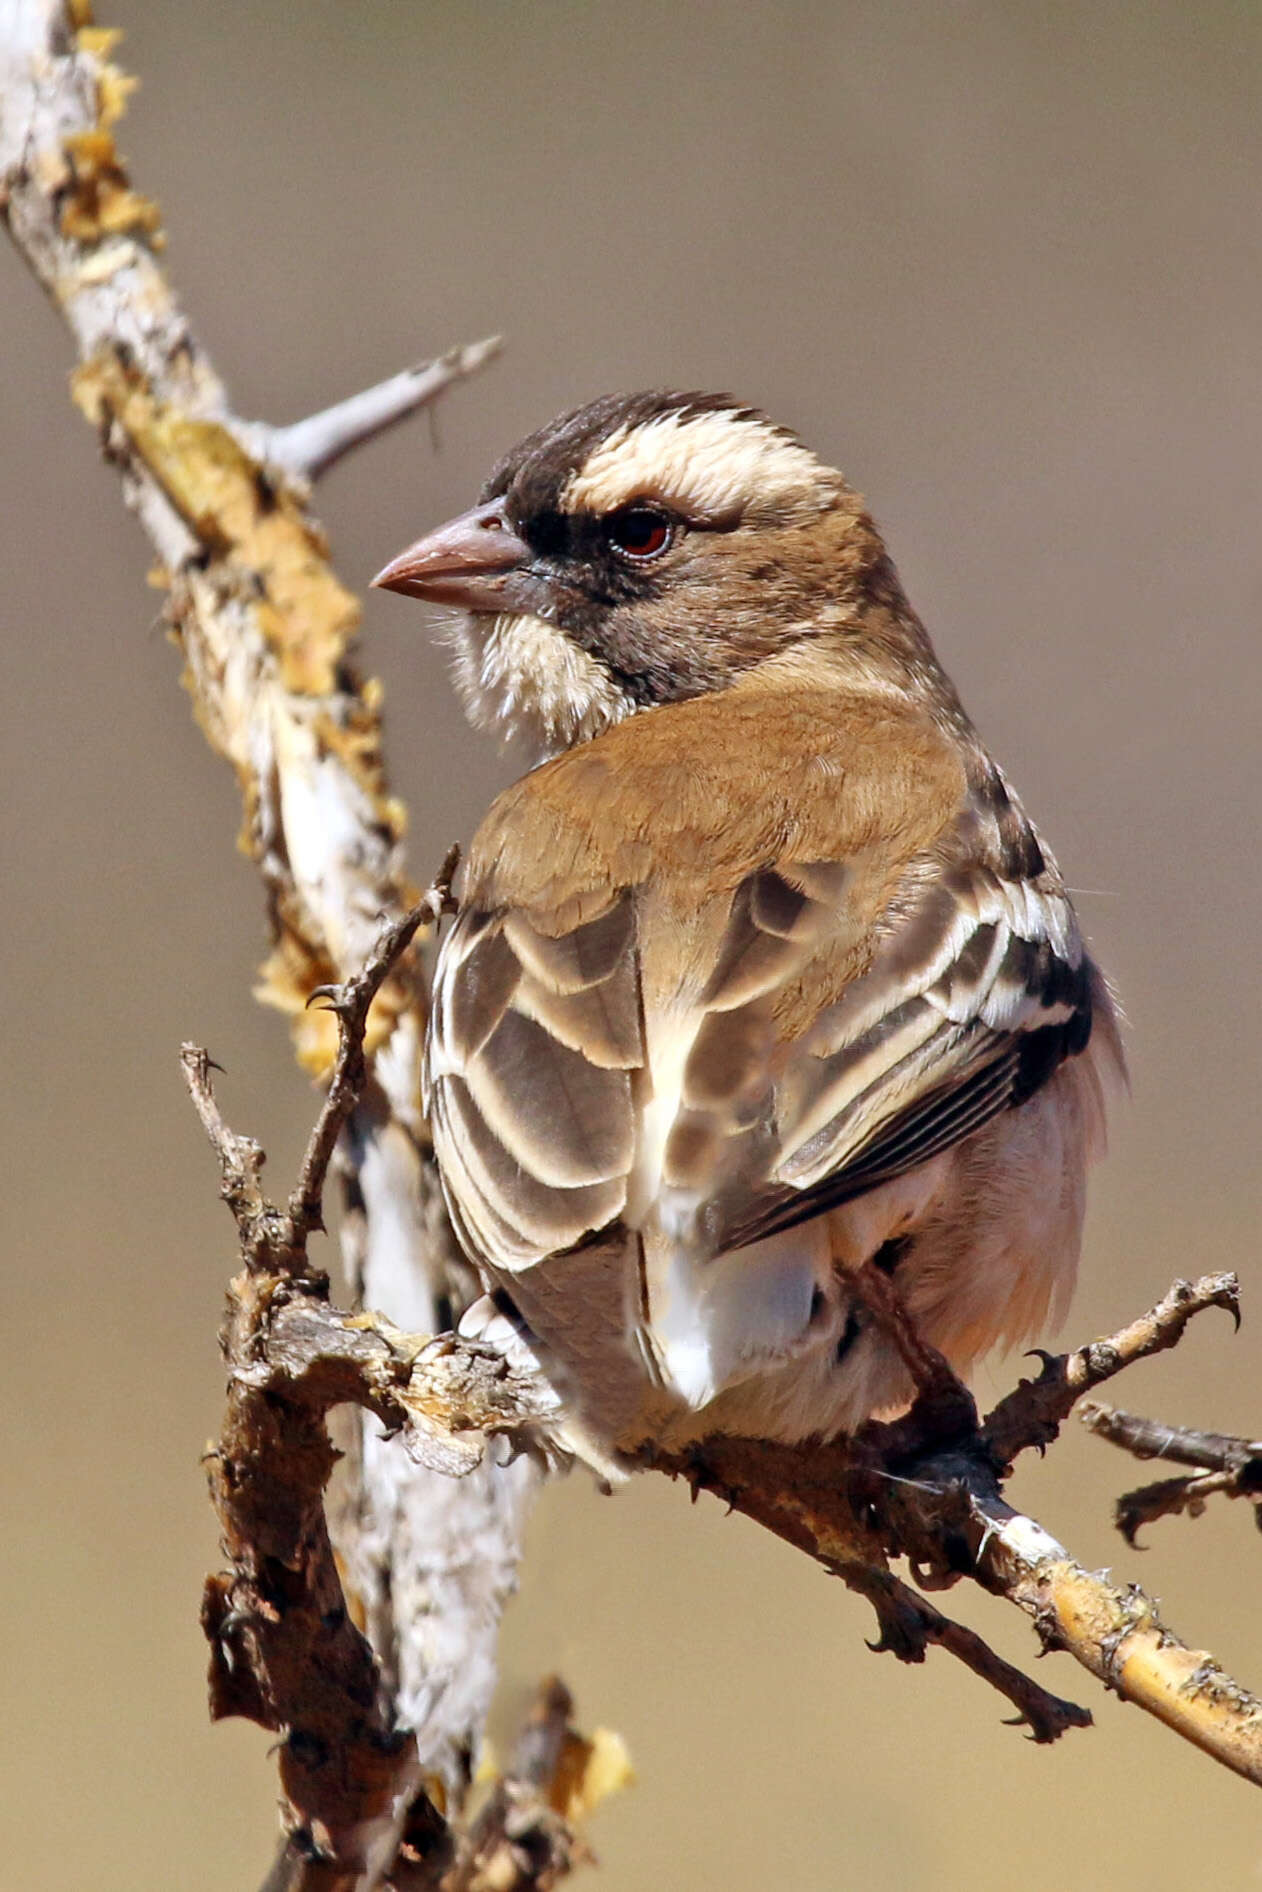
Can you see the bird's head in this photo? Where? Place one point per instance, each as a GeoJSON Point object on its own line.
{"type": "Point", "coordinates": [642, 549]}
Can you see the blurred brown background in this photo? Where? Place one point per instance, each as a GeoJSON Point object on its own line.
{"type": "Point", "coordinates": [1002, 264]}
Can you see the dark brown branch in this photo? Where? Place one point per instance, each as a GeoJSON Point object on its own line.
{"type": "Point", "coordinates": [1032, 1414]}
{"type": "Point", "coordinates": [1227, 1466]}
{"type": "Point", "coordinates": [240, 1158]}
{"type": "Point", "coordinates": [522, 1841]}
{"type": "Point", "coordinates": [909, 1624]}
{"type": "Point", "coordinates": [284, 1650]}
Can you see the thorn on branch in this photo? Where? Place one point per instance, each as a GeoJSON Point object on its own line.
{"type": "Point", "coordinates": [310, 447]}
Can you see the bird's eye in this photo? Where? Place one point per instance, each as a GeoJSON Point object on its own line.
{"type": "Point", "coordinates": [640, 531]}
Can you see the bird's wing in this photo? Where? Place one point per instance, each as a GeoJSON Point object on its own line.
{"type": "Point", "coordinates": [532, 1042]}
{"type": "Point", "coordinates": [647, 1010]}
{"type": "Point", "coordinates": [978, 990]}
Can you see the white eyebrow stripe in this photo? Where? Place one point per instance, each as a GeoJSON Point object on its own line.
{"type": "Point", "coordinates": [711, 463]}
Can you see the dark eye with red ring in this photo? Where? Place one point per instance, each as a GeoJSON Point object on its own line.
{"type": "Point", "coordinates": [640, 531]}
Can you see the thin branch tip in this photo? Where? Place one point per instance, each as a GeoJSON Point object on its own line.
{"type": "Point", "coordinates": [308, 448]}
{"type": "Point", "coordinates": [351, 1003]}
{"type": "Point", "coordinates": [1031, 1415]}
{"type": "Point", "coordinates": [1224, 1465]}
{"type": "Point", "coordinates": [468, 357]}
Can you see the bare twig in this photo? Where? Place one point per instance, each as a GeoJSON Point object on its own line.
{"type": "Point", "coordinates": [909, 1624]}
{"type": "Point", "coordinates": [240, 1158]}
{"type": "Point", "coordinates": [351, 1003]}
{"type": "Point", "coordinates": [1228, 1466]}
{"type": "Point", "coordinates": [1031, 1415]}
{"type": "Point", "coordinates": [1152, 1438]}
{"type": "Point", "coordinates": [309, 447]}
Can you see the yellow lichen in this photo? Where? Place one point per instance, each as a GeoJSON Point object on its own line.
{"type": "Point", "coordinates": [100, 41]}
{"type": "Point", "coordinates": [258, 529]}
{"type": "Point", "coordinates": [114, 88]}
{"type": "Point", "coordinates": [588, 1771]}
{"type": "Point", "coordinates": [100, 201]}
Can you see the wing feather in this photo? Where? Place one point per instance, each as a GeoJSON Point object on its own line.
{"type": "Point", "coordinates": [971, 1005]}
{"type": "Point", "coordinates": [532, 1038]}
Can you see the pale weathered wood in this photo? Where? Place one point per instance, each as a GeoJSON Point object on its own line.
{"type": "Point", "coordinates": [265, 626]}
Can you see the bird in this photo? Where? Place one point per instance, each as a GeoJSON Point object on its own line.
{"type": "Point", "coordinates": [762, 981]}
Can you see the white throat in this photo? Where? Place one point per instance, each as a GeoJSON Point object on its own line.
{"type": "Point", "coordinates": [527, 681]}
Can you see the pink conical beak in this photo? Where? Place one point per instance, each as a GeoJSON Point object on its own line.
{"type": "Point", "coordinates": [470, 561]}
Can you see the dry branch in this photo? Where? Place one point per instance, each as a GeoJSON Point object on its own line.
{"type": "Point", "coordinates": [308, 448]}
{"type": "Point", "coordinates": [265, 628]}
{"type": "Point", "coordinates": [1033, 1414]}
{"type": "Point", "coordinates": [1227, 1466]}
{"type": "Point", "coordinates": [893, 1492]}
{"type": "Point", "coordinates": [286, 1651]}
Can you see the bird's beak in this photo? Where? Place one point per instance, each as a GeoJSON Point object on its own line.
{"type": "Point", "coordinates": [476, 561]}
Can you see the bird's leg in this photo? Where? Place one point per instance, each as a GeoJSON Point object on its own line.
{"type": "Point", "coordinates": [943, 1406]}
